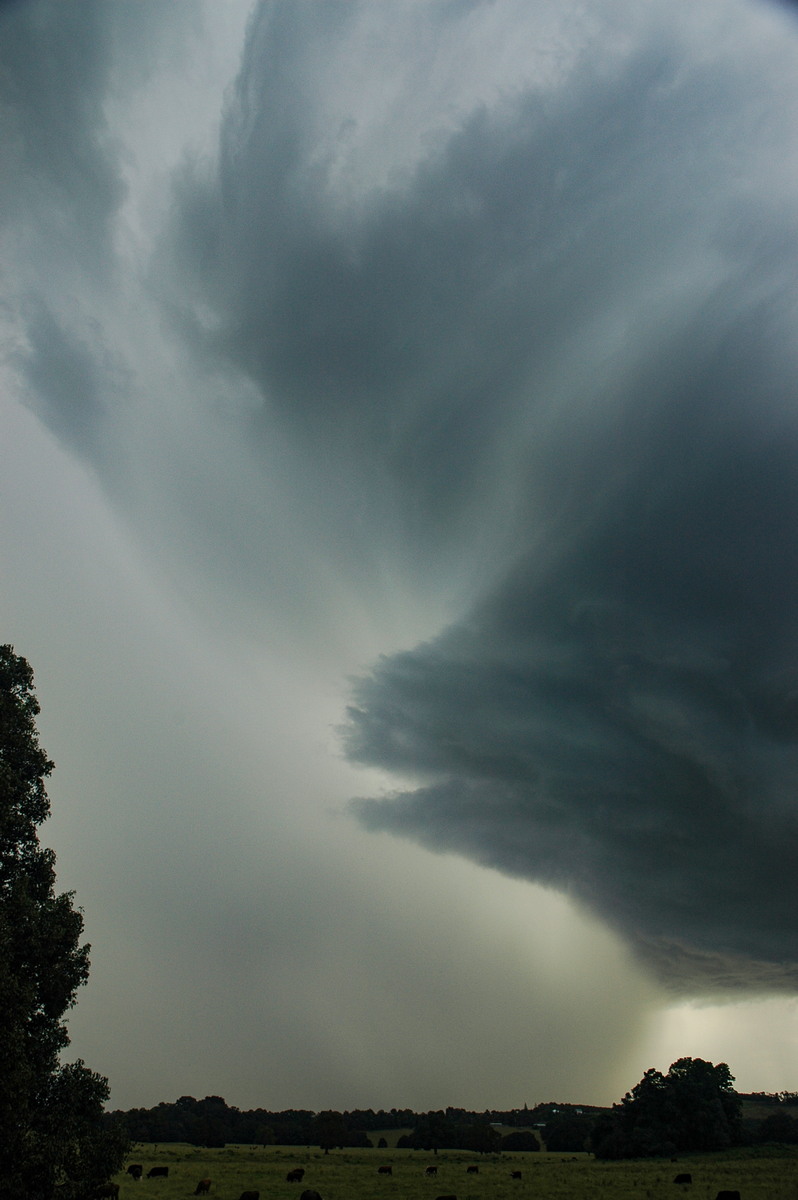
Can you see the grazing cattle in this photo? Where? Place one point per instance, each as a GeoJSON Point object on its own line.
{"type": "Point", "coordinates": [203, 1187]}
{"type": "Point", "coordinates": [383, 1171]}
{"type": "Point", "coordinates": [249, 1196]}
{"type": "Point", "coordinates": [154, 1171]}
{"type": "Point", "coordinates": [685, 1177]}
{"type": "Point", "coordinates": [515, 1174]}
{"type": "Point", "coordinates": [726, 1195]}
{"type": "Point", "coordinates": [106, 1191]}
{"type": "Point", "coordinates": [309, 1194]}
{"type": "Point", "coordinates": [431, 1171]}
{"type": "Point", "coordinates": [295, 1176]}
{"type": "Point", "coordinates": [135, 1170]}
{"type": "Point", "coordinates": [445, 1198]}
{"type": "Point", "coordinates": [472, 1170]}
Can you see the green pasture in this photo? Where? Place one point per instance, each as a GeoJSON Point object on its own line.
{"type": "Point", "coordinates": [352, 1175]}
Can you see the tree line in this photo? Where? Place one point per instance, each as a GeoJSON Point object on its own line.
{"type": "Point", "coordinates": [213, 1122]}
{"type": "Point", "coordinates": [691, 1108]}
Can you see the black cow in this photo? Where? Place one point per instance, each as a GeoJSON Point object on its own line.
{"type": "Point", "coordinates": [250, 1196]}
{"type": "Point", "coordinates": [155, 1171]}
{"type": "Point", "coordinates": [431, 1171]}
{"type": "Point", "coordinates": [295, 1176]}
{"type": "Point", "coordinates": [203, 1187]}
{"type": "Point", "coordinates": [472, 1170]}
{"type": "Point", "coordinates": [685, 1177]}
{"type": "Point", "coordinates": [515, 1174]}
{"type": "Point", "coordinates": [380, 1171]}
{"type": "Point", "coordinates": [727, 1195]}
{"type": "Point", "coordinates": [135, 1170]}
{"type": "Point", "coordinates": [445, 1198]}
{"type": "Point", "coordinates": [309, 1194]}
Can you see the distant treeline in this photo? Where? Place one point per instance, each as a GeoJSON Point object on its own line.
{"type": "Point", "coordinates": [213, 1122]}
{"type": "Point", "coordinates": [693, 1107]}
{"type": "Point", "coordinates": [772, 1099]}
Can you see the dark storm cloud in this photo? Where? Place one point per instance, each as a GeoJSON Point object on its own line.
{"type": "Point", "coordinates": [62, 185]}
{"type": "Point", "coordinates": [407, 341]}
{"type": "Point", "coordinates": [62, 169]}
{"type": "Point", "coordinates": [59, 168]}
{"type": "Point", "coordinates": [558, 340]}
{"type": "Point", "coordinates": [618, 718]}
{"type": "Point", "coordinates": [529, 331]}
{"type": "Point", "coordinates": [622, 722]}
{"type": "Point", "coordinates": [66, 384]}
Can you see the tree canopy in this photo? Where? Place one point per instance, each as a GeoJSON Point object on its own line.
{"type": "Point", "coordinates": [51, 1129]}
{"type": "Point", "coordinates": [454, 1129]}
{"type": "Point", "coordinates": [693, 1107]}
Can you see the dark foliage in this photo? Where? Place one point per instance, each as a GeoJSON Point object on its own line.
{"type": "Point", "coordinates": [453, 1129]}
{"type": "Point", "coordinates": [567, 1132]}
{"type": "Point", "coordinates": [520, 1139]}
{"type": "Point", "coordinates": [51, 1116]}
{"type": "Point", "coordinates": [779, 1127]}
{"type": "Point", "coordinates": [693, 1107]}
{"type": "Point", "coordinates": [771, 1099]}
{"type": "Point", "coordinates": [331, 1130]}
{"type": "Point", "coordinates": [195, 1121]}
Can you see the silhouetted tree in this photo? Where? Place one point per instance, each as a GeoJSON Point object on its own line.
{"type": "Point", "coordinates": [779, 1127]}
{"type": "Point", "coordinates": [432, 1132]}
{"type": "Point", "coordinates": [693, 1107]}
{"type": "Point", "coordinates": [567, 1131]}
{"type": "Point", "coordinates": [330, 1131]}
{"type": "Point", "coordinates": [454, 1129]}
{"type": "Point", "coordinates": [480, 1137]}
{"type": "Point", "coordinates": [51, 1116]}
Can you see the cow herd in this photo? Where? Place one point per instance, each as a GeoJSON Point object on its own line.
{"type": "Point", "coordinates": [110, 1191]}
{"type": "Point", "coordinates": [136, 1170]}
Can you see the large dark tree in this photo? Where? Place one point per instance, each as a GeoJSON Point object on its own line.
{"type": "Point", "coordinates": [51, 1130]}
{"type": "Point", "coordinates": [693, 1107]}
{"type": "Point", "coordinates": [779, 1127]}
{"type": "Point", "coordinates": [567, 1131]}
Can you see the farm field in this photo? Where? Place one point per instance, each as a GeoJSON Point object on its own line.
{"type": "Point", "coordinates": [352, 1175]}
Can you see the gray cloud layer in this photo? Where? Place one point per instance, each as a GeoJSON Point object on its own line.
{"type": "Point", "coordinates": [622, 725]}
{"type": "Point", "coordinates": [618, 718]}
{"type": "Point", "coordinates": [505, 297]}
{"type": "Point", "coordinates": [565, 330]}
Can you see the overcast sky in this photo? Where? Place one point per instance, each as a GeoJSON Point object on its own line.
{"type": "Point", "coordinates": [399, 498]}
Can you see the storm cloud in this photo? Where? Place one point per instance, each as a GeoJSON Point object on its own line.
{"type": "Point", "coordinates": [428, 331]}
{"type": "Point", "coordinates": [564, 330]}
{"type": "Point", "coordinates": [621, 722]}
{"type": "Point", "coordinates": [402, 402]}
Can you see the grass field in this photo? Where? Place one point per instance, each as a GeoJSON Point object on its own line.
{"type": "Point", "coordinates": [352, 1175]}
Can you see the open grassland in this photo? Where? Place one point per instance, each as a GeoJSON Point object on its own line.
{"type": "Point", "coordinates": [352, 1175]}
